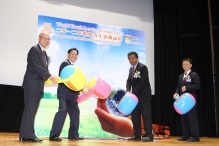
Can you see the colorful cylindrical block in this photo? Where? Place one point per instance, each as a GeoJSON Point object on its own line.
{"type": "Point", "coordinates": [73, 78]}
{"type": "Point", "coordinates": [96, 87]}
{"type": "Point", "coordinates": [184, 103]}
{"type": "Point", "coordinates": [127, 104]}
{"type": "Point", "coordinates": [99, 88]}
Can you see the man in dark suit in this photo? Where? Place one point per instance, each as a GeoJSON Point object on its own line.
{"type": "Point", "coordinates": [67, 104]}
{"type": "Point", "coordinates": [33, 84]}
{"type": "Point", "coordinates": [138, 82]}
{"type": "Point", "coordinates": [188, 82]}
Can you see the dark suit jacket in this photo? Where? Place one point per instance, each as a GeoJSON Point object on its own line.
{"type": "Point", "coordinates": [63, 91]}
{"type": "Point", "coordinates": [191, 87]}
{"type": "Point", "coordinates": [140, 86]}
{"type": "Point", "coordinates": [36, 71]}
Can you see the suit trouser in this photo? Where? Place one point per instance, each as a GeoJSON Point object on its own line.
{"type": "Point", "coordinates": [144, 109]}
{"type": "Point", "coordinates": [66, 106]}
{"type": "Point", "coordinates": [190, 124]}
{"type": "Point", "coordinates": [31, 103]}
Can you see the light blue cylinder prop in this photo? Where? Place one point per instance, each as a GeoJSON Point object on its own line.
{"type": "Point", "coordinates": [184, 103]}
{"type": "Point", "coordinates": [127, 104]}
{"type": "Point", "coordinates": [67, 72]}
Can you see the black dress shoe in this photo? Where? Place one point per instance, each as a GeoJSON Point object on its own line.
{"type": "Point", "coordinates": [55, 138]}
{"type": "Point", "coordinates": [30, 140]}
{"type": "Point", "coordinates": [77, 138]}
{"type": "Point", "coordinates": [182, 139]}
{"type": "Point", "coordinates": [146, 139]}
{"type": "Point", "coordinates": [193, 140]}
{"type": "Point", "coordinates": [134, 138]}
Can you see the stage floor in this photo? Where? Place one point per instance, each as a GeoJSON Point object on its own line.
{"type": "Point", "coordinates": [11, 139]}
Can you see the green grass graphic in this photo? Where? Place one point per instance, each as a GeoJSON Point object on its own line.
{"type": "Point", "coordinates": [89, 123]}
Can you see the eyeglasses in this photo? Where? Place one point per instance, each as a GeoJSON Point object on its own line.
{"type": "Point", "coordinates": [48, 39]}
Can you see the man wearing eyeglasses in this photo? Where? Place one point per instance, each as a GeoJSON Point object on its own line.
{"type": "Point", "coordinates": [33, 84]}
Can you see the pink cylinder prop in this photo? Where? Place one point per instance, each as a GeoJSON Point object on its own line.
{"type": "Point", "coordinates": [97, 87]}
{"type": "Point", "coordinates": [82, 98]}
{"type": "Point", "coordinates": [101, 89]}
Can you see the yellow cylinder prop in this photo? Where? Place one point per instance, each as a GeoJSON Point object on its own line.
{"type": "Point", "coordinates": [72, 77]}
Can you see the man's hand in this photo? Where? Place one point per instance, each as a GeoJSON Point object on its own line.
{"type": "Point", "coordinates": [174, 96]}
{"type": "Point", "coordinates": [54, 79]}
{"type": "Point", "coordinates": [183, 88]}
{"type": "Point", "coordinates": [85, 93]}
{"type": "Point", "coordinates": [120, 126]}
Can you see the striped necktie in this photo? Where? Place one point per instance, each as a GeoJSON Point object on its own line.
{"type": "Point", "coordinates": [133, 70]}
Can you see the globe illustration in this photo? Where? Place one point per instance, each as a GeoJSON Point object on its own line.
{"type": "Point", "coordinates": [113, 100]}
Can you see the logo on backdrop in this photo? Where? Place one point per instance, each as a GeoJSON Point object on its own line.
{"type": "Point", "coordinates": [128, 39]}
{"type": "Point", "coordinates": [47, 27]}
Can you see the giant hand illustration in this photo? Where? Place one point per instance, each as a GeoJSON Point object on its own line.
{"type": "Point", "coordinates": [120, 126]}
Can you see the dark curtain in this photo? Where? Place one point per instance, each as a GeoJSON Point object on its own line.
{"type": "Point", "coordinates": [182, 31]}
{"type": "Point", "coordinates": [11, 108]}
{"type": "Point", "coordinates": [216, 64]}
{"type": "Point", "coordinates": [215, 29]}
{"type": "Point", "coordinates": [167, 65]}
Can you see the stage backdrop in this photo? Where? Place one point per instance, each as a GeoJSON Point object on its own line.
{"type": "Point", "coordinates": [103, 53]}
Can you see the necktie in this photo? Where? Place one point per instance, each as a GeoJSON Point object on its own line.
{"type": "Point", "coordinates": [44, 55]}
{"type": "Point", "coordinates": [184, 78]}
{"type": "Point", "coordinates": [133, 70]}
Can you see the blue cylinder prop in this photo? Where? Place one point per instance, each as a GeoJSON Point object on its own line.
{"type": "Point", "coordinates": [127, 104]}
{"type": "Point", "coordinates": [184, 103]}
